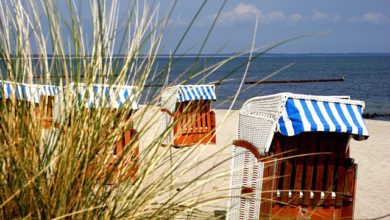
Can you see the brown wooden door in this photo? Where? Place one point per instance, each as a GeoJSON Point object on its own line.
{"type": "Point", "coordinates": [313, 178]}
{"type": "Point", "coordinates": [194, 123]}
{"type": "Point", "coordinates": [123, 163]}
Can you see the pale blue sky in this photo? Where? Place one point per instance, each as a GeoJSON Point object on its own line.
{"type": "Point", "coordinates": [352, 25]}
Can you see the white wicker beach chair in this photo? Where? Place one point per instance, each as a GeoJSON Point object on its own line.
{"type": "Point", "coordinates": [263, 185]}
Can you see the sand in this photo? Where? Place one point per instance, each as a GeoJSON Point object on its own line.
{"type": "Point", "coordinates": [372, 157]}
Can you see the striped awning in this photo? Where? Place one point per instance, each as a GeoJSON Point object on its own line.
{"type": "Point", "coordinates": [305, 115]}
{"type": "Point", "coordinates": [105, 96]}
{"type": "Point", "coordinates": [195, 92]}
{"type": "Point", "coordinates": [27, 92]}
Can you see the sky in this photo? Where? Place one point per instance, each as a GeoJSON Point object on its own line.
{"type": "Point", "coordinates": [348, 26]}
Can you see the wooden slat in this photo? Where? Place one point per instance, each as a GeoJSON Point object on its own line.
{"type": "Point", "coordinates": [133, 172]}
{"type": "Point", "coordinates": [288, 167]}
{"type": "Point", "coordinates": [267, 188]}
{"type": "Point", "coordinates": [188, 126]}
{"type": "Point", "coordinates": [212, 128]}
{"type": "Point", "coordinates": [199, 124]}
{"type": "Point", "coordinates": [349, 190]}
{"type": "Point", "coordinates": [208, 121]}
{"type": "Point", "coordinates": [350, 177]}
{"type": "Point", "coordinates": [299, 165]}
{"type": "Point", "coordinates": [340, 186]}
{"type": "Point", "coordinates": [342, 146]}
{"type": "Point", "coordinates": [50, 100]}
{"type": "Point", "coordinates": [204, 122]}
{"type": "Point", "coordinates": [193, 122]}
{"type": "Point", "coordinates": [277, 149]}
{"type": "Point", "coordinates": [119, 148]}
{"type": "Point", "coordinates": [308, 180]}
{"type": "Point", "coordinates": [127, 139]}
{"type": "Point", "coordinates": [320, 169]}
{"type": "Point", "coordinates": [183, 124]}
{"type": "Point", "coordinates": [176, 126]}
{"type": "Point", "coordinates": [44, 111]}
{"type": "Point", "coordinates": [212, 120]}
{"type": "Point", "coordinates": [330, 169]}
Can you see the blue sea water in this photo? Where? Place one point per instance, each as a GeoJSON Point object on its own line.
{"type": "Point", "coordinates": [367, 78]}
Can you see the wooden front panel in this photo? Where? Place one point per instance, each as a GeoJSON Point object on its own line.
{"type": "Point", "coordinates": [123, 163]}
{"type": "Point", "coordinates": [194, 123]}
{"type": "Point", "coordinates": [42, 111]}
{"type": "Point", "coordinates": [314, 177]}
{"type": "Point", "coordinates": [45, 110]}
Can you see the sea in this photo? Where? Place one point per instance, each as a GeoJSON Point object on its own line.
{"type": "Point", "coordinates": [365, 77]}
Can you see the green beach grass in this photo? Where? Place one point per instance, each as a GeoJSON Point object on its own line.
{"type": "Point", "coordinates": [59, 172]}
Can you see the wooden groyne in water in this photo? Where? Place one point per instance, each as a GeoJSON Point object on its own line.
{"type": "Point", "coordinates": [295, 81]}
{"type": "Point", "coordinates": [271, 81]}
{"type": "Point", "coordinates": [341, 79]}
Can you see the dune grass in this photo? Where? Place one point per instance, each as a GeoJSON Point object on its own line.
{"type": "Point", "coordinates": [60, 171]}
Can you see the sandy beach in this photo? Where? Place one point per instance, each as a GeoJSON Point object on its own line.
{"type": "Point", "coordinates": [372, 157]}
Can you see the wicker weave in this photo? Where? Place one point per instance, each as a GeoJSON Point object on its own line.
{"type": "Point", "coordinates": [246, 172]}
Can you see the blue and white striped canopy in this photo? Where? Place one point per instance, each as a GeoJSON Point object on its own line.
{"type": "Point", "coordinates": [105, 96]}
{"type": "Point", "coordinates": [195, 92]}
{"type": "Point", "coordinates": [28, 92]}
{"type": "Point", "coordinates": [93, 96]}
{"type": "Point", "coordinates": [305, 115]}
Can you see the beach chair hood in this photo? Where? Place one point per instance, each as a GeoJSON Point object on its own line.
{"type": "Point", "coordinates": [96, 96]}
{"type": "Point", "coordinates": [292, 114]}
{"type": "Point", "coordinates": [181, 93]}
{"type": "Point", "coordinates": [25, 91]}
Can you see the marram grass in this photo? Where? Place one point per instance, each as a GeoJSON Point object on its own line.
{"type": "Point", "coordinates": [60, 172]}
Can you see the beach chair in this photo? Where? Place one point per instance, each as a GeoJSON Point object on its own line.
{"type": "Point", "coordinates": [37, 97]}
{"type": "Point", "coordinates": [118, 99]}
{"type": "Point", "coordinates": [187, 109]}
{"type": "Point", "coordinates": [291, 159]}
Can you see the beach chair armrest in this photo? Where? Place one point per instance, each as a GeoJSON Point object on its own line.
{"type": "Point", "coordinates": [247, 145]}
{"type": "Point", "coordinates": [246, 190]}
{"type": "Point", "coordinates": [167, 111]}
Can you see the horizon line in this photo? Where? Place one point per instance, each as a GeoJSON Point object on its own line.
{"type": "Point", "coordinates": [189, 55]}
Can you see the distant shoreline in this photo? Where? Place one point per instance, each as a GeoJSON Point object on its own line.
{"type": "Point", "coordinates": [37, 56]}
